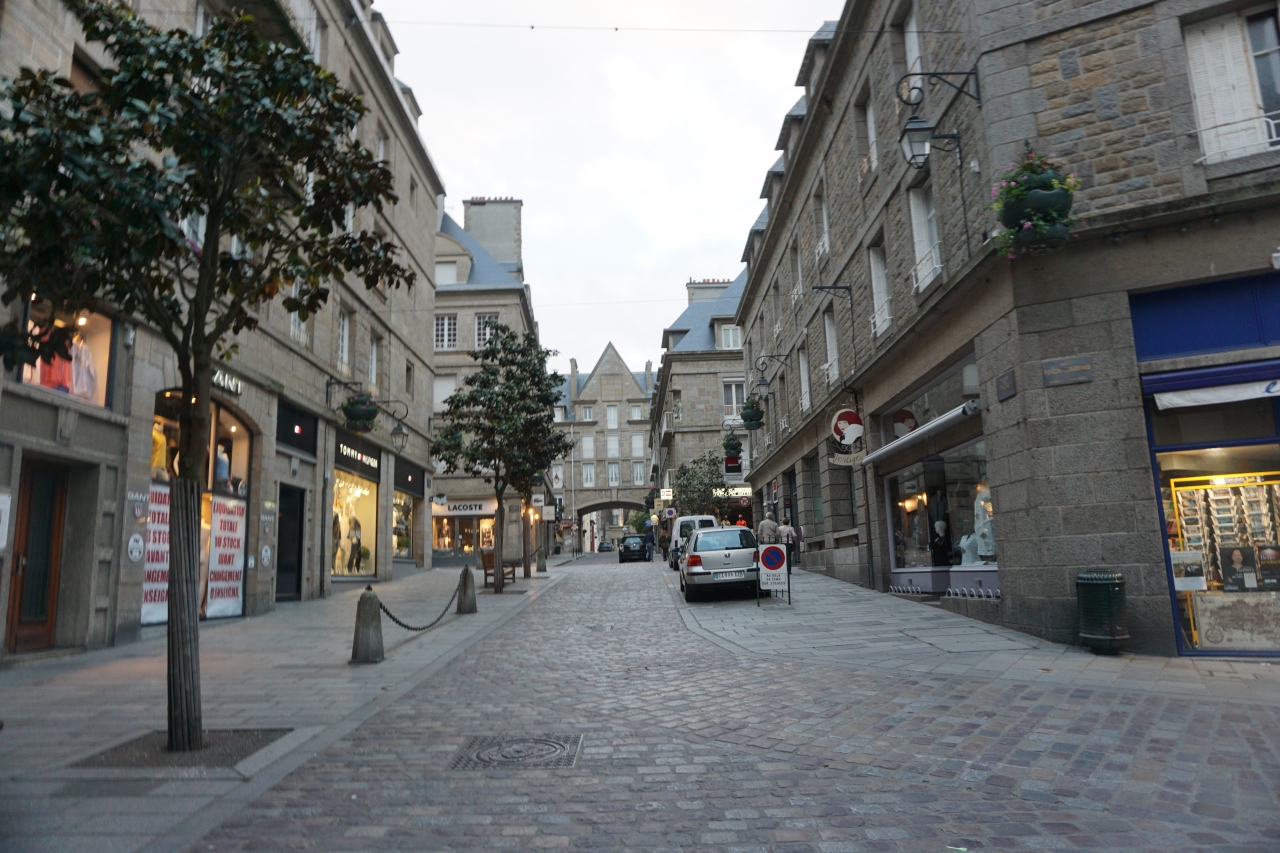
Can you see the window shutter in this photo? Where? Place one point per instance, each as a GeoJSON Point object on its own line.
{"type": "Point", "coordinates": [1223, 90]}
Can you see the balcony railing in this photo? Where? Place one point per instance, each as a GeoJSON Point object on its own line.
{"type": "Point", "coordinates": [823, 248]}
{"type": "Point", "coordinates": [777, 331]}
{"type": "Point", "coordinates": [882, 317]}
{"type": "Point", "coordinates": [832, 371]}
{"type": "Point", "coordinates": [668, 428]}
{"type": "Point", "coordinates": [927, 268]}
{"type": "Point", "coordinates": [867, 165]}
{"type": "Point", "coordinates": [1241, 138]}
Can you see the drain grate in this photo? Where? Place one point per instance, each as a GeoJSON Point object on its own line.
{"type": "Point", "coordinates": [533, 751]}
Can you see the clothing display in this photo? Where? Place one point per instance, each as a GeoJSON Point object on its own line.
{"type": "Point", "coordinates": [84, 376]}
{"type": "Point", "coordinates": [159, 453]}
{"type": "Point", "coordinates": [56, 374]}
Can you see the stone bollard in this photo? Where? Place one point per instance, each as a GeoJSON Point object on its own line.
{"type": "Point", "coordinates": [467, 591]}
{"type": "Point", "coordinates": [542, 561]}
{"type": "Point", "coordinates": [367, 645]}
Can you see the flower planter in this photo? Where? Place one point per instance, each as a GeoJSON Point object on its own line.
{"type": "Point", "coordinates": [732, 446]}
{"type": "Point", "coordinates": [1053, 236]}
{"type": "Point", "coordinates": [358, 412]}
{"type": "Point", "coordinates": [359, 426]}
{"type": "Point", "coordinates": [1046, 204]}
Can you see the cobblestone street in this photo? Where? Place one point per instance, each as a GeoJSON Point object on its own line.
{"type": "Point", "coordinates": [851, 721]}
{"type": "Point", "coordinates": [687, 743]}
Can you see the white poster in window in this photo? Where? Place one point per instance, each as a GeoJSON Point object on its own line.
{"type": "Point", "coordinates": [155, 578]}
{"type": "Point", "coordinates": [226, 557]}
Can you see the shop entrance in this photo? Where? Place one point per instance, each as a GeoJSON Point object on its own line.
{"type": "Point", "coordinates": [289, 564]}
{"type": "Point", "coordinates": [37, 553]}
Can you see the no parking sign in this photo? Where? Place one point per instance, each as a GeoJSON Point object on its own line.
{"type": "Point", "coordinates": [773, 567]}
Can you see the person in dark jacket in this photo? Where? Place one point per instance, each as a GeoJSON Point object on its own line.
{"type": "Point", "coordinates": [648, 545]}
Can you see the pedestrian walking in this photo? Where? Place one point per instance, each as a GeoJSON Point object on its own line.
{"type": "Point", "coordinates": [648, 545]}
{"type": "Point", "coordinates": [787, 536]}
{"type": "Point", "coordinates": [767, 530]}
{"type": "Point", "coordinates": [664, 542]}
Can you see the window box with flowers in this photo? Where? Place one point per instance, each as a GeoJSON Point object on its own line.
{"type": "Point", "coordinates": [1032, 200]}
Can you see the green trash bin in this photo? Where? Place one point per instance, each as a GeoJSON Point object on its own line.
{"type": "Point", "coordinates": [1104, 618]}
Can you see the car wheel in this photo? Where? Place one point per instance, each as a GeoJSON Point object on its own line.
{"type": "Point", "coordinates": [690, 595]}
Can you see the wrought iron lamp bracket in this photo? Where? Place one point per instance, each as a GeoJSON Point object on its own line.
{"type": "Point", "coordinates": [913, 93]}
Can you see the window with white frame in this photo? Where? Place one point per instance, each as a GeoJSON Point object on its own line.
{"type": "Point", "coordinates": [299, 332]}
{"type": "Point", "coordinates": [637, 473]}
{"type": "Point", "coordinates": [804, 378]}
{"type": "Point", "coordinates": [911, 42]}
{"type": "Point", "coordinates": [821, 222]}
{"type": "Point", "coordinates": [344, 340]}
{"type": "Point", "coordinates": [589, 474]}
{"type": "Point", "coordinates": [560, 414]}
{"type": "Point", "coordinates": [734, 397]}
{"type": "Point", "coordinates": [881, 311]}
{"type": "Point", "coordinates": [204, 20]}
{"type": "Point", "coordinates": [832, 366]}
{"type": "Point", "coordinates": [924, 232]}
{"type": "Point", "coordinates": [637, 412]}
{"type": "Point", "coordinates": [484, 328]}
{"type": "Point", "coordinates": [446, 331]}
{"type": "Point", "coordinates": [615, 474]}
{"type": "Point", "coordinates": [446, 272]}
{"type": "Point", "coordinates": [349, 222]}
{"type": "Point", "coordinates": [730, 337]}
{"type": "Point", "coordinates": [637, 445]}
{"type": "Point", "coordinates": [611, 417]}
{"type": "Point", "coordinates": [611, 445]}
{"type": "Point", "coordinates": [588, 447]}
{"type": "Point", "coordinates": [375, 344]}
{"type": "Point", "coordinates": [380, 147]}
{"type": "Point", "coordinates": [797, 273]}
{"type": "Point", "coordinates": [1233, 63]}
{"type": "Point", "coordinates": [871, 158]}
{"type": "Point", "coordinates": [442, 389]}
{"type": "Point", "coordinates": [587, 413]}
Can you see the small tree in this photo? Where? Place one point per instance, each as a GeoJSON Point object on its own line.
{"type": "Point", "coordinates": [203, 178]}
{"type": "Point", "coordinates": [697, 482]}
{"type": "Point", "coordinates": [636, 521]}
{"type": "Point", "coordinates": [500, 426]}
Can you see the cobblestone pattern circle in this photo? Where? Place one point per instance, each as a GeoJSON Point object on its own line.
{"type": "Point", "coordinates": [540, 751]}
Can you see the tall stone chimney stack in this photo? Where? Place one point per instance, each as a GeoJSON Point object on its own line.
{"type": "Point", "coordinates": [573, 380]}
{"type": "Point", "coordinates": [495, 223]}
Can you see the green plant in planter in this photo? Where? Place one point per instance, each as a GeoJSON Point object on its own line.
{"type": "Point", "coordinates": [361, 411]}
{"type": "Point", "coordinates": [752, 414]}
{"type": "Point", "coordinates": [1033, 200]}
{"type": "Point", "coordinates": [732, 445]}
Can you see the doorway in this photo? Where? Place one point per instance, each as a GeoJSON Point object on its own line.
{"type": "Point", "coordinates": [289, 560]}
{"type": "Point", "coordinates": [37, 556]}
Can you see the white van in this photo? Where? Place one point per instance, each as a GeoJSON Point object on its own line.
{"type": "Point", "coordinates": [680, 531]}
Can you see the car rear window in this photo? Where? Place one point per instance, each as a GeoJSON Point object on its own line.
{"type": "Point", "coordinates": [631, 540]}
{"type": "Point", "coordinates": [724, 540]}
{"type": "Point", "coordinates": [706, 522]}
{"type": "Point", "coordinates": [686, 529]}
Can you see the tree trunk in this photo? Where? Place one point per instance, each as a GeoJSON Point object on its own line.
{"type": "Point", "coordinates": [186, 719]}
{"type": "Point", "coordinates": [186, 724]}
{"type": "Point", "coordinates": [499, 528]}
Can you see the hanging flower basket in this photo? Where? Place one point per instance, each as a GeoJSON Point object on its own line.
{"type": "Point", "coordinates": [1033, 202]}
{"type": "Point", "coordinates": [361, 412]}
{"type": "Point", "coordinates": [732, 445]}
{"type": "Point", "coordinates": [752, 414]}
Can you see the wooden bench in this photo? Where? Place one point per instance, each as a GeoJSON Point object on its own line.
{"type": "Point", "coordinates": [508, 568]}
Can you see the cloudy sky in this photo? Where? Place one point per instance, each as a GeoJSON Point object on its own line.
{"type": "Point", "coordinates": [639, 155]}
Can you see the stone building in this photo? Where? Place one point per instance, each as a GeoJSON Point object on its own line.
{"type": "Point", "coordinates": [1103, 406]}
{"type": "Point", "coordinates": [606, 414]}
{"type": "Point", "coordinates": [701, 386]}
{"type": "Point", "coordinates": [474, 290]}
{"type": "Point", "coordinates": [299, 502]}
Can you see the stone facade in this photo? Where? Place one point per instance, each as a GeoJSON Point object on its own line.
{"type": "Point", "coordinates": [363, 338]}
{"type": "Point", "coordinates": [1070, 469]}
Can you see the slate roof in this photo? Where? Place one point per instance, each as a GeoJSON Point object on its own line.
{"type": "Point", "coordinates": [761, 223]}
{"type": "Point", "coordinates": [796, 113]}
{"type": "Point", "coordinates": [698, 320]}
{"type": "Point", "coordinates": [777, 168]}
{"type": "Point", "coordinates": [824, 35]}
{"type": "Point", "coordinates": [485, 271]}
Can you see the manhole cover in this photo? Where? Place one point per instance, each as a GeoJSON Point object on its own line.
{"type": "Point", "coordinates": [540, 751]}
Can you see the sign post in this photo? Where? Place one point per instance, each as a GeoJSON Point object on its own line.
{"type": "Point", "coordinates": [772, 573]}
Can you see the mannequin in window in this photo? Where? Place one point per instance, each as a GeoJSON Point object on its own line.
{"type": "Point", "coordinates": [355, 557]}
{"type": "Point", "coordinates": [982, 512]}
{"type": "Point", "coordinates": [84, 376]}
{"type": "Point", "coordinates": [222, 470]}
{"type": "Point", "coordinates": [337, 540]}
{"type": "Point", "coordinates": [56, 374]}
{"type": "Point", "coordinates": [159, 453]}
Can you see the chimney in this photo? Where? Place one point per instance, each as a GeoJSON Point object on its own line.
{"type": "Point", "coordinates": [648, 375]}
{"type": "Point", "coordinates": [573, 379]}
{"type": "Point", "coordinates": [706, 290]}
{"type": "Point", "coordinates": [495, 224]}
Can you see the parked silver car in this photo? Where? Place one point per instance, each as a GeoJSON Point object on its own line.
{"type": "Point", "coordinates": [721, 558]}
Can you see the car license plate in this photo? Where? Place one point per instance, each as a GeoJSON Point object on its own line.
{"type": "Point", "coordinates": [728, 576]}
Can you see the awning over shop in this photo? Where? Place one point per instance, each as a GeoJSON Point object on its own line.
{"type": "Point", "coordinates": [925, 432]}
{"type": "Point", "coordinates": [1207, 386]}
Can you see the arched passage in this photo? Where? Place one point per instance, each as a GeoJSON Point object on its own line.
{"type": "Point", "coordinates": [624, 504]}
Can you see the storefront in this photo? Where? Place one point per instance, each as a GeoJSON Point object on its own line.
{"type": "Point", "coordinates": [356, 476]}
{"type": "Point", "coordinates": [407, 506]}
{"type": "Point", "coordinates": [224, 513]}
{"type": "Point", "coordinates": [1215, 451]}
{"type": "Point", "coordinates": [937, 497]}
{"type": "Point", "coordinates": [460, 527]}
{"type": "Point", "coordinates": [296, 440]}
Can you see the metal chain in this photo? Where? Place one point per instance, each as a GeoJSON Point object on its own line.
{"type": "Point", "coordinates": [431, 624]}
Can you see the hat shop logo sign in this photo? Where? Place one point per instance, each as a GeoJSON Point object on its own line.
{"type": "Point", "coordinates": [846, 431]}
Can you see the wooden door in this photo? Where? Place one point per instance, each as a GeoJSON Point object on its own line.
{"type": "Point", "coordinates": [37, 557]}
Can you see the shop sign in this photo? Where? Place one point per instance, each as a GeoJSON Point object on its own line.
{"type": "Point", "coordinates": [1006, 386]}
{"type": "Point", "coordinates": [539, 500]}
{"type": "Point", "coordinates": [1217, 394]}
{"type": "Point", "coordinates": [846, 427]}
{"type": "Point", "coordinates": [743, 491]}
{"type": "Point", "coordinates": [357, 456]}
{"type": "Point", "coordinates": [136, 547]}
{"type": "Point", "coordinates": [226, 557]}
{"type": "Point", "coordinates": [155, 567]}
{"type": "Point", "coordinates": [666, 494]}
{"type": "Point", "coordinates": [846, 459]}
{"type": "Point", "coordinates": [659, 506]}
{"type": "Point", "coordinates": [1067, 371]}
{"type": "Point", "coordinates": [227, 382]}
{"type": "Point", "coordinates": [481, 506]}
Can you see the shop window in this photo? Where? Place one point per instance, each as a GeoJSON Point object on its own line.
{"type": "Point", "coordinates": [86, 373]}
{"type": "Point", "coordinates": [224, 512]}
{"type": "Point", "coordinates": [402, 526]}
{"type": "Point", "coordinates": [942, 511]}
{"type": "Point", "coordinates": [1213, 424]}
{"type": "Point", "coordinates": [355, 525]}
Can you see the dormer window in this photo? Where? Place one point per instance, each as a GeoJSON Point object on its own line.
{"type": "Point", "coordinates": [730, 337]}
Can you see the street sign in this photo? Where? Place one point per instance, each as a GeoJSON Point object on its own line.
{"type": "Point", "coordinates": [773, 567]}
{"type": "Point", "coordinates": [666, 494]}
{"type": "Point", "coordinates": [744, 502]}
{"type": "Point", "coordinates": [659, 506]}
{"type": "Point", "coordinates": [669, 512]}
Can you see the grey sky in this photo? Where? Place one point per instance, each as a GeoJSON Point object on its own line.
{"type": "Point", "coordinates": [639, 155]}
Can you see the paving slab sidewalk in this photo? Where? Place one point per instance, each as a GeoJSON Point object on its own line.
{"type": "Point", "coordinates": [831, 621]}
{"type": "Point", "coordinates": [287, 669]}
